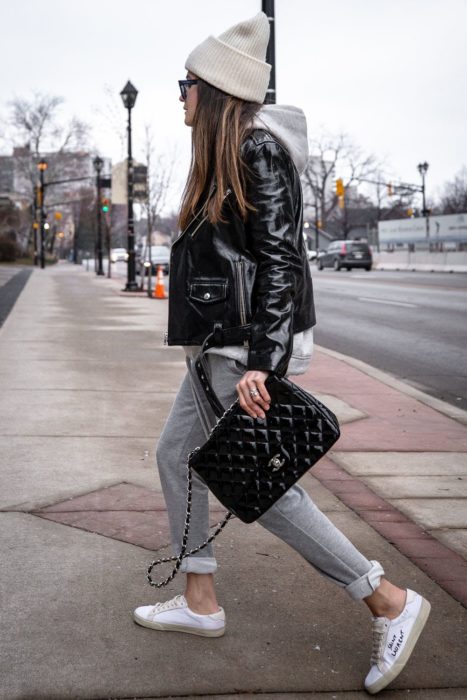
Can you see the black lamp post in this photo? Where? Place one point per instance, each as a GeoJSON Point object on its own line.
{"type": "Point", "coordinates": [267, 7]}
{"type": "Point", "coordinates": [129, 94]}
{"type": "Point", "coordinates": [98, 164]}
{"type": "Point", "coordinates": [422, 169]}
{"type": "Point", "coordinates": [42, 166]}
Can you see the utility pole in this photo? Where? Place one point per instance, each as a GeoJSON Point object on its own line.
{"type": "Point", "coordinates": [42, 166]}
{"type": "Point", "coordinates": [35, 225]}
{"type": "Point", "coordinates": [267, 7]}
{"type": "Point", "coordinates": [423, 169]}
{"type": "Point", "coordinates": [98, 163]}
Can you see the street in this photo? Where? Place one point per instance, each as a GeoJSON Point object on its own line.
{"type": "Point", "coordinates": [412, 325]}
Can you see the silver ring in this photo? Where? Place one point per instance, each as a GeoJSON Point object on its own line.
{"type": "Point", "coordinates": [254, 392]}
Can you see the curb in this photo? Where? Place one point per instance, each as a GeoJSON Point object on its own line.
{"type": "Point", "coordinates": [419, 267]}
{"type": "Point", "coordinates": [444, 566]}
{"type": "Point", "coordinates": [457, 414]}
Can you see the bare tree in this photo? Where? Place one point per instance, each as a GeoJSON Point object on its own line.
{"type": "Point", "coordinates": [392, 201]}
{"type": "Point", "coordinates": [331, 157]}
{"type": "Point", "coordinates": [160, 170]}
{"type": "Point", "coordinates": [84, 216]}
{"type": "Point", "coordinates": [36, 122]}
{"type": "Point", "coordinates": [111, 116]}
{"type": "Point", "coordinates": [160, 178]}
{"type": "Point", "coordinates": [35, 128]}
{"type": "Point", "coordinates": [454, 195]}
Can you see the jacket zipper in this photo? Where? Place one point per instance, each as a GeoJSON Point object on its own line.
{"type": "Point", "coordinates": [192, 234]}
{"type": "Point", "coordinates": [239, 269]}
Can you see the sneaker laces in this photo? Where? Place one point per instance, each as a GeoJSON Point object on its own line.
{"type": "Point", "coordinates": [171, 604]}
{"type": "Point", "coordinates": [379, 634]}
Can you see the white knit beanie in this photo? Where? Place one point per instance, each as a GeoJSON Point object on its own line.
{"type": "Point", "coordinates": [235, 61]}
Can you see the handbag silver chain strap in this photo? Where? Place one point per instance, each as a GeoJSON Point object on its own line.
{"type": "Point", "coordinates": [218, 410]}
{"type": "Point", "coordinates": [183, 553]}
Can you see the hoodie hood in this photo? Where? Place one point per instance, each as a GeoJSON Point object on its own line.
{"type": "Point", "coordinates": [288, 125]}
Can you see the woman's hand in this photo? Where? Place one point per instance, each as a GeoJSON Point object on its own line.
{"type": "Point", "coordinates": [253, 396]}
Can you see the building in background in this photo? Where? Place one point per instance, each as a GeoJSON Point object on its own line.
{"type": "Point", "coordinates": [445, 232]}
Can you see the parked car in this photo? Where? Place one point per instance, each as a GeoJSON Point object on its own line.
{"type": "Point", "coordinates": [117, 254]}
{"type": "Point", "coordinates": [346, 254]}
{"type": "Point", "coordinates": [160, 255]}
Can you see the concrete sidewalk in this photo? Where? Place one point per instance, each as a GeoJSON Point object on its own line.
{"type": "Point", "coordinates": [85, 385]}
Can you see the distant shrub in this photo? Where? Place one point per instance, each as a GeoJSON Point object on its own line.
{"type": "Point", "coordinates": [8, 248]}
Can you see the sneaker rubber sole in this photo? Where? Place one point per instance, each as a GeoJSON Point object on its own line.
{"type": "Point", "coordinates": [178, 628]}
{"type": "Point", "coordinates": [398, 666]}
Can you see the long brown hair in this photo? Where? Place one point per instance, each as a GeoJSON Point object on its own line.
{"type": "Point", "coordinates": [220, 125]}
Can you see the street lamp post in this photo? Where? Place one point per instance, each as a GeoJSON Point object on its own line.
{"type": "Point", "coordinates": [42, 166]}
{"type": "Point", "coordinates": [422, 169]}
{"type": "Point", "coordinates": [267, 7]}
{"type": "Point", "coordinates": [128, 95]}
{"type": "Point", "coordinates": [98, 163]}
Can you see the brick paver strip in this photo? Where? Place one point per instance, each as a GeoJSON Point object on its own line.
{"type": "Point", "coordinates": [137, 515]}
{"type": "Point", "coordinates": [124, 512]}
{"type": "Point", "coordinates": [447, 568]}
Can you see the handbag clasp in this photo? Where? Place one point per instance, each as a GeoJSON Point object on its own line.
{"type": "Point", "coordinates": [276, 462]}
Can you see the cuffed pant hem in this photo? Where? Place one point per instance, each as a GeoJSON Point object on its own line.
{"type": "Point", "coordinates": [366, 584]}
{"type": "Point", "coordinates": [199, 565]}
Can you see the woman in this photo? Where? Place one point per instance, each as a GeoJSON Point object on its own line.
{"type": "Point", "coordinates": [240, 266]}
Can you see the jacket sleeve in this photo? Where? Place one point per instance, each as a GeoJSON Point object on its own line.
{"type": "Point", "coordinates": [271, 234]}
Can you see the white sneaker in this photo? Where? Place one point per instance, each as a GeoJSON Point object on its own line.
{"type": "Point", "coordinates": [394, 641]}
{"type": "Point", "coordinates": [175, 615]}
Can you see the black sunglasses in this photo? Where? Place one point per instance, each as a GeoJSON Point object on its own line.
{"type": "Point", "coordinates": [184, 85]}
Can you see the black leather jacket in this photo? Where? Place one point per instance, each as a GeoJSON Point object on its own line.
{"type": "Point", "coordinates": [252, 279]}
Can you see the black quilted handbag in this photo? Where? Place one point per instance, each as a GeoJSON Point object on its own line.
{"type": "Point", "coordinates": [249, 463]}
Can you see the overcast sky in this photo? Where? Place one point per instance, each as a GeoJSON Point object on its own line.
{"type": "Point", "coordinates": [392, 74]}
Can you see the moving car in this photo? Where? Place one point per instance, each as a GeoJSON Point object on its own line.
{"type": "Point", "coordinates": [346, 254]}
{"type": "Point", "coordinates": [117, 254]}
{"type": "Point", "coordinates": [160, 255]}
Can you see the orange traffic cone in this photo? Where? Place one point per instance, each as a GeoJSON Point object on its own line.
{"type": "Point", "coordinates": [159, 289]}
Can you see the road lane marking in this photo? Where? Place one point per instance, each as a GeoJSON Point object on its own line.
{"type": "Point", "coordinates": [385, 301]}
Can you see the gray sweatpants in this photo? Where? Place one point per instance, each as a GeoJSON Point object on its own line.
{"type": "Point", "coordinates": [294, 517]}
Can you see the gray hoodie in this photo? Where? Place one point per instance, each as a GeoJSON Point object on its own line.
{"type": "Point", "coordinates": [288, 125]}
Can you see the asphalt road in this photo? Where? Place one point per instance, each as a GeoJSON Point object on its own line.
{"type": "Point", "coordinates": [410, 324]}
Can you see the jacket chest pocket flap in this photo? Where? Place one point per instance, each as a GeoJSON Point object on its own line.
{"type": "Point", "coordinates": [208, 290]}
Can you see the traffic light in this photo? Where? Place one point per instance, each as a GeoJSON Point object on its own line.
{"type": "Point", "coordinates": [58, 215]}
{"type": "Point", "coordinates": [340, 192]}
{"type": "Point", "coordinates": [105, 204]}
